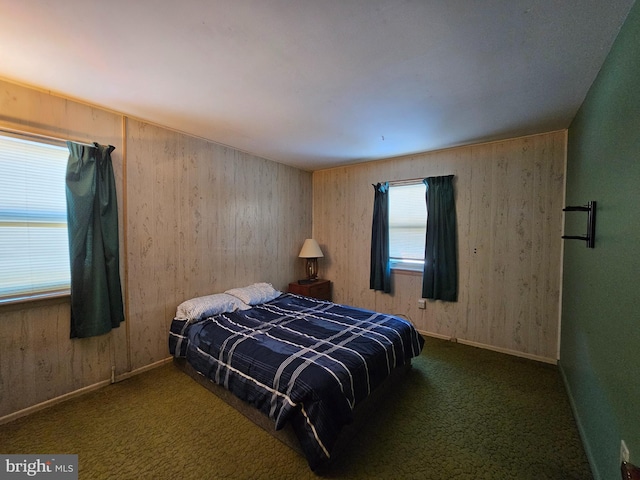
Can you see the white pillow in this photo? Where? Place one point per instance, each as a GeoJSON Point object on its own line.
{"type": "Point", "coordinates": [256, 293]}
{"type": "Point", "coordinates": [202, 307]}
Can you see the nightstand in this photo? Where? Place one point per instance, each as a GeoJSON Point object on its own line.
{"type": "Point", "coordinates": [320, 289]}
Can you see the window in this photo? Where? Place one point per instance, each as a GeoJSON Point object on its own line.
{"type": "Point", "coordinates": [407, 226]}
{"type": "Point", "coordinates": [34, 249]}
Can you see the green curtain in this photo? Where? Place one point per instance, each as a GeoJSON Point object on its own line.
{"type": "Point", "coordinates": [92, 216]}
{"type": "Point", "coordinates": [380, 276]}
{"type": "Point", "coordinates": [440, 279]}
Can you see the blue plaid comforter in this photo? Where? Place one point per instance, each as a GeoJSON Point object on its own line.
{"type": "Point", "coordinates": [299, 360]}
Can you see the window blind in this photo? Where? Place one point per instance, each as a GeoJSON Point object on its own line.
{"type": "Point", "coordinates": [34, 249]}
{"type": "Point", "coordinates": [407, 221]}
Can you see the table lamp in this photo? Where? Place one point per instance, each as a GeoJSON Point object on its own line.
{"type": "Point", "coordinates": [311, 251]}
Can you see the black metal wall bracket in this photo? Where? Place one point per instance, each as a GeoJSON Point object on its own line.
{"type": "Point", "coordinates": [590, 237]}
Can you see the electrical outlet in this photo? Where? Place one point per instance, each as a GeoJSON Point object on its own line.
{"type": "Point", "coordinates": [624, 452]}
{"type": "Point", "coordinates": [422, 304]}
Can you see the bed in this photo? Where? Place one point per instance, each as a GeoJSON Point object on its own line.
{"type": "Point", "coordinates": [302, 362]}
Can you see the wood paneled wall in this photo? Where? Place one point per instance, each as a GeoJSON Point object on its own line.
{"type": "Point", "coordinates": [509, 200]}
{"type": "Point", "coordinates": [196, 218]}
{"type": "Point", "coordinates": [202, 218]}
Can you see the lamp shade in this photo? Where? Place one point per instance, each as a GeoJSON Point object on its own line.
{"type": "Point", "coordinates": [310, 249]}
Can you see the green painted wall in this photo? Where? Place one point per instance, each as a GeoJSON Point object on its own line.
{"type": "Point", "coordinates": [600, 336]}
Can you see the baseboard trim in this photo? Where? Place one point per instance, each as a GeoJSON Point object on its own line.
{"type": "Point", "coordinates": [146, 368]}
{"type": "Point", "coordinates": [585, 443]}
{"type": "Point", "coordinates": [514, 353]}
{"type": "Point", "coordinates": [52, 401]}
{"type": "Point", "coordinates": [81, 391]}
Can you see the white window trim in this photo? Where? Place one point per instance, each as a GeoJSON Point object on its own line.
{"type": "Point", "coordinates": [400, 264]}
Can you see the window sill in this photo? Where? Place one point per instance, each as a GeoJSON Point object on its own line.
{"type": "Point", "coordinates": [406, 271]}
{"type": "Point", "coordinates": [19, 303]}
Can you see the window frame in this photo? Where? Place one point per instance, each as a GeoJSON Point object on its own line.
{"type": "Point", "coordinates": [60, 289]}
{"type": "Point", "coordinates": [400, 264]}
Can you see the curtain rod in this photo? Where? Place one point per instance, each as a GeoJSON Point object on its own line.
{"type": "Point", "coordinates": [14, 131]}
{"type": "Point", "coordinates": [406, 181]}
{"type": "Point", "coordinates": [411, 181]}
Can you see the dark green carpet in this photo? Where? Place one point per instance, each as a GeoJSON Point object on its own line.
{"type": "Point", "coordinates": [460, 413]}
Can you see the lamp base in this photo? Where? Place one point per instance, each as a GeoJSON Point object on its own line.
{"type": "Point", "coordinates": [307, 281]}
{"type": "Point", "coordinates": [312, 269]}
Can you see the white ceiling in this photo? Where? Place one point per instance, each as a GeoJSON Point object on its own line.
{"type": "Point", "coordinates": [319, 83]}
